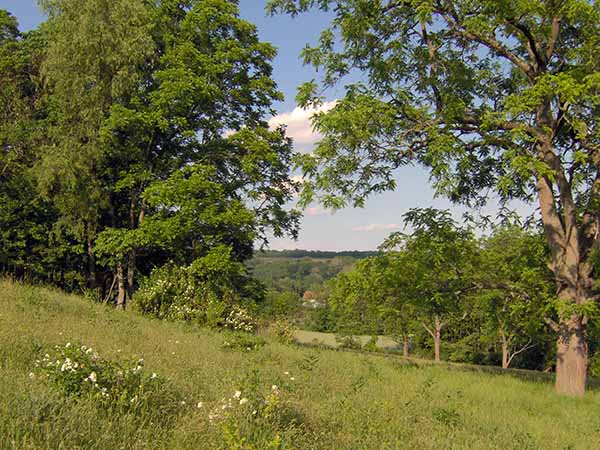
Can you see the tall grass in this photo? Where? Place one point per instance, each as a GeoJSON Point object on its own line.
{"type": "Point", "coordinates": [336, 400]}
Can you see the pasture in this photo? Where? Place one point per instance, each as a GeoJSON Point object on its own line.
{"type": "Point", "coordinates": [322, 399]}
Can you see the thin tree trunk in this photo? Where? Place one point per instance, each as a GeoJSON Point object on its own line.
{"type": "Point", "coordinates": [437, 339]}
{"type": "Point", "coordinates": [436, 346]}
{"type": "Point", "coordinates": [505, 350]}
{"type": "Point", "coordinates": [405, 346]}
{"type": "Point", "coordinates": [121, 296]}
{"type": "Point", "coordinates": [436, 334]}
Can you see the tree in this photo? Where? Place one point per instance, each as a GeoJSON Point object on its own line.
{"type": "Point", "coordinates": [438, 268]}
{"type": "Point", "coordinates": [514, 288]}
{"type": "Point", "coordinates": [494, 97]}
{"type": "Point", "coordinates": [158, 144]}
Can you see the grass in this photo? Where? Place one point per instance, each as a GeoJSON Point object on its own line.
{"type": "Point", "coordinates": [337, 400]}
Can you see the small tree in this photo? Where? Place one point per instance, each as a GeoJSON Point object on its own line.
{"type": "Point", "coordinates": [514, 286]}
{"type": "Point", "coordinates": [440, 262]}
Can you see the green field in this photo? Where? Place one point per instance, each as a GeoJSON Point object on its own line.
{"type": "Point", "coordinates": [336, 400]}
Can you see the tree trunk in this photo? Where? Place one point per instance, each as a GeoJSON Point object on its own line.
{"type": "Point", "coordinates": [571, 356]}
{"type": "Point", "coordinates": [505, 362]}
{"type": "Point", "coordinates": [405, 347]}
{"type": "Point", "coordinates": [505, 343]}
{"type": "Point", "coordinates": [437, 339]}
{"type": "Point", "coordinates": [121, 296]}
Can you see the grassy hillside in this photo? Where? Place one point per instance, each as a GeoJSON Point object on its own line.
{"type": "Point", "coordinates": [326, 400]}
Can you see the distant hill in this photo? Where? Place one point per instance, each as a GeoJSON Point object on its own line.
{"type": "Point", "coordinates": [301, 270]}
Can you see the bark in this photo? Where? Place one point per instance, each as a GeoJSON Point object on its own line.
{"type": "Point", "coordinates": [570, 242]}
{"type": "Point", "coordinates": [406, 347]}
{"type": "Point", "coordinates": [571, 354]}
{"type": "Point", "coordinates": [505, 357]}
{"type": "Point", "coordinates": [436, 334]}
{"type": "Point", "coordinates": [121, 296]}
{"type": "Point", "coordinates": [437, 343]}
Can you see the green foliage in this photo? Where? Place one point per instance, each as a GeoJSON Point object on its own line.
{"type": "Point", "coordinates": [205, 292]}
{"type": "Point", "coordinates": [134, 137]}
{"type": "Point", "coordinates": [77, 370]}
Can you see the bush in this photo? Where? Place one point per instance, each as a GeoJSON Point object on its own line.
{"type": "Point", "coordinates": [77, 370]}
{"type": "Point", "coordinates": [207, 292]}
{"type": "Point", "coordinates": [257, 416]}
{"type": "Point", "coordinates": [348, 342]}
{"type": "Point", "coordinates": [282, 331]}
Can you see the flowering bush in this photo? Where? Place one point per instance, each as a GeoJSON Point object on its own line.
{"type": "Point", "coordinates": [257, 415]}
{"type": "Point", "coordinates": [207, 291]}
{"type": "Point", "coordinates": [78, 370]}
{"type": "Point", "coordinates": [239, 319]}
{"type": "Point", "coordinates": [282, 331]}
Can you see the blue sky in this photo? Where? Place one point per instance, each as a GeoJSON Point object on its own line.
{"type": "Point", "coordinates": [356, 229]}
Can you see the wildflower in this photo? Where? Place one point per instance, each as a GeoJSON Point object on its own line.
{"type": "Point", "coordinates": [254, 412]}
{"type": "Point", "coordinates": [243, 401]}
{"type": "Point", "coordinates": [153, 376]}
{"type": "Point", "coordinates": [286, 373]}
{"type": "Point", "coordinates": [292, 378]}
{"type": "Point", "coordinates": [92, 377]}
{"type": "Point", "coordinates": [31, 375]}
{"type": "Point", "coordinates": [182, 403]}
{"type": "Point", "coordinates": [237, 394]}
{"type": "Point", "coordinates": [68, 345]}
{"type": "Point", "coordinates": [274, 388]}
{"type": "Point", "coordinates": [200, 405]}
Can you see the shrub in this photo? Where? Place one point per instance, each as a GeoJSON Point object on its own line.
{"type": "Point", "coordinates": [257, 416]}
{"type": "Point", "coordinates": [207, 292]}
{"type": "Point", "coordinates": [348, 342]}
{"type": "Point", "coordinates": [282, 331]}
{"type": "Point", "coordinates": [77, 370]}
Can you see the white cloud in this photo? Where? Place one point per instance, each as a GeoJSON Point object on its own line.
{"type": "Point", "coordinates": [299, 126]}
{"type": "Point", "coordinates": [314, 211]}
{"type": "Point", "coordinates": [377, 227]}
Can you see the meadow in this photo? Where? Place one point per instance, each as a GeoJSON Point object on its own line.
{"type": "Point", "coordinates": [312, 398]}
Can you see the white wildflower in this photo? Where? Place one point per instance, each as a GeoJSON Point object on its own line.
{"type": "Point", "coordinates": [243, 401]}
{"type": "Point", "coordinates": [237, 394]}
{"type": "Point", "coordinates": [92, 377]}
{"type": "Point", "coordinates": [200, 405]}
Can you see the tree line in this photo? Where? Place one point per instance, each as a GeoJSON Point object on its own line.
{"type": "Point", "coordinates": [489, 296]}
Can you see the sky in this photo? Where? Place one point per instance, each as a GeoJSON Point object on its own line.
{"type": "Point", "coordinates": [347, 229]}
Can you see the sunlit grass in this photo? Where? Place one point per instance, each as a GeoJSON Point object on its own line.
{"type": "Point", "coordinates": [341, 400]}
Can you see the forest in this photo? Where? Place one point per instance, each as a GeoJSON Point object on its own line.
{"type": "Point", "coordinates": [141, 181]}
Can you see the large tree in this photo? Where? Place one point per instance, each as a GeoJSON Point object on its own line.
{"type": "Point", "coordinates": [161, 99]}
{"type": "Point", "coordinates": [496, 97]}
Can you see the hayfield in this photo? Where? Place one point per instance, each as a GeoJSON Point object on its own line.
{"type": "Point", "coordinates": [316, 398]}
